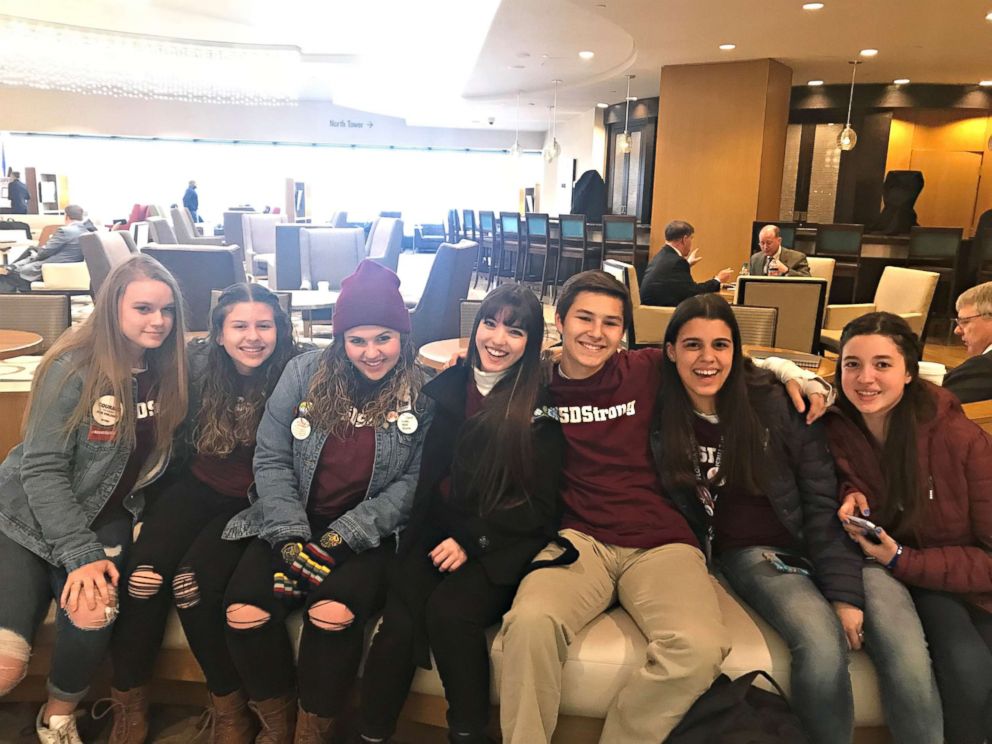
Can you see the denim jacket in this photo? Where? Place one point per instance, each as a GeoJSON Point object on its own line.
{"type": "Point", "coordinates": [285, 467]}
{"type": "Point", "coordinates": [53, 485]}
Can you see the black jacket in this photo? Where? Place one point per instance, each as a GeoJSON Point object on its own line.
{"type": "Point", "coordinates": [972, 380]}
{"type": "Point", "coordinates": [802, 487]}
{"type": "Point", "coordinates": [505, 541]}
{"type": "Point", "coordinates": [668, 281]}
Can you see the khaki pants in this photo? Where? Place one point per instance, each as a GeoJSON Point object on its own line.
{"type": "Point", "coordinates": [667, 591]}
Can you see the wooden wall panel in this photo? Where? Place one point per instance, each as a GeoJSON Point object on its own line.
{"type": "Point", "coordinates": [951, 183]}
{"type": "Point", "coordinates": [984, 198]}
{"type": "Point", "coordinates": [712, 151]}
{"type": "Point", "coordinates": [900, 142]}
{"type": "Point", "coordinates": [950, 131]}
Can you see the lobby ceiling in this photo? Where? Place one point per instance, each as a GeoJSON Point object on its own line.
{"type": "Point", "coordinates": [461, 63]}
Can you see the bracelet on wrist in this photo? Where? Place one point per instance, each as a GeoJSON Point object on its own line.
{"type": "Point", "coordinates": [895, 559]}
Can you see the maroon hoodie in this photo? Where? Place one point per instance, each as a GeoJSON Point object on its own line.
{"type": "Point", "coordinates": [951, 550]}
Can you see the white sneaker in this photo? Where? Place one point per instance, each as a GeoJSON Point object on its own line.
{"type": "Point", "coordinates": [60, 729]}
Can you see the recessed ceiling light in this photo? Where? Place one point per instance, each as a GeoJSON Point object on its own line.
{"type": "Point", "coordinates": [985, 83]}
{"type": "Point", "coordinates": [868, 52]}
{"type": "Point", "coordinates": [814, 83]}
{"type": "Point", "coordinates": [728, 47]}
{"type": "Point", "coordinates": [602, 105]}
{"type": "Point", "coordinates": [587, 54]}
{"type": "Point", "coordinates": [812, 6]}
{"type": "Point", "coordinates": [988, 17]}
{"type": "Point", "coordinates": [901, 81]}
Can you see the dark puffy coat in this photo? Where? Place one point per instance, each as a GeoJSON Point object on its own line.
{"type": "Point", "coordinates": [951, 550]}
{"type": "Point", "coordinates": [802, 487]}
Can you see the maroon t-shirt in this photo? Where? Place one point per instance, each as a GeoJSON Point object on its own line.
{"type": "Point", "coordinates": [343, 473]}
{"type": "Point", "coordinates": [740, 519]}
{"type": "Point", "coordinates": [610, 486]}
{"type": "Point", "coordinates": [144, 443]}
{"type": "Point", "coordinates": [230, 475]}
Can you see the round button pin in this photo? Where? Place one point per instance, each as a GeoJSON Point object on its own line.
{"type": "Point", "coordinates": [106, 412]}
{"type": "Point", "coordinates": [407, 423]}
{"type": "Point", "coordinates": [300, 428]}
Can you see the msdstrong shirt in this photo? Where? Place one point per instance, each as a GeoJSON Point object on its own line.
{"type": "Point", "coordinates": [610, 487]}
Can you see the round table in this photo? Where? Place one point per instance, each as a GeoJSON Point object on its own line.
{"type": "Point", "coordinates": [826, 368]}
{"type": "Point", "coordinates": [305, 301]}
{"type": "Point", "coordinates": [15, 343]}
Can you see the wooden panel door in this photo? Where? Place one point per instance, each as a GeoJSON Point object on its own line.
{"type": "Point", "coordinates": [950, 188]}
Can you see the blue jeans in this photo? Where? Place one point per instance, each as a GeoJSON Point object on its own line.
{"type": "Point", "coordinates": [821, 685]}
{"type": "Point", "coordinates": [29, 584]}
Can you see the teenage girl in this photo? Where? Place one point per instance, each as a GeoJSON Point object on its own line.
{"type": "Point", "coordinates": [180, 555]}
{"type": "Point", "coordinates": [105, 402]}
{"type": "Point", "coordinates": [761, 485]}
{"type": "Point", "coordinates": [486, 503]}
{"type": "Point", "coordinates": [912, 463]}
{"type": "Point", "coordinates": [336, 462]}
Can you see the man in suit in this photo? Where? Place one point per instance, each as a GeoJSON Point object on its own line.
{"type": "Point", "coordinates": [972, 380]}
{"type": "Point", "coordinates": [62, 247]}
{"type": "Point", "coordinates": [668, 278]}
{"type": "Point", "coordinates": [773, 259]}
{"type": "Point", "coordinates": [18, 194]}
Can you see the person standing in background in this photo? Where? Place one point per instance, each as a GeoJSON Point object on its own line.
{"type": "Point", "coordinates": [191, 201]}
{"type": "Point", "coordinates": [18, 194]}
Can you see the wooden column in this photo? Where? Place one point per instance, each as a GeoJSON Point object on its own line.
{"type": "Point", "coordinates": [720, 153]}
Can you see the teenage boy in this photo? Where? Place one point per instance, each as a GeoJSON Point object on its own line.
{"type": "Point", "coordinates": [634, 546]}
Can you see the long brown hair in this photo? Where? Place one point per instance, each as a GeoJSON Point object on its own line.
{"type": "Point", "coordinates": [101, 354]}
{"type": "Point", "coordinates": [902, 505]}
{"type": "Point", "coordinates": [233, 404]}
{"type": "Point", "coordinates": [744, 434]}
{"type": "Point", "coordinates": [335, 389]}
{"type": "Point", "coordinates": [503, 428]}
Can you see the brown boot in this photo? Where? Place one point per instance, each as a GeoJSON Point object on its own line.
{"type": "Point", "coordinates": [232, 721]}
{"type": "Point", "coordinates": [278, 719]}
{"type": "Point", "coordinates": [312, 729]}
{"type": "Point", "coordinates": [130, 712]}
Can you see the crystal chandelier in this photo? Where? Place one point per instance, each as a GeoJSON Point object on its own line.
{"type": "Point", "coordinates": [625, 142]}
{"type": "Point", "coordinates": [848, 138]}
{"type": "Point", "coordinates": [53, 56]}
{"type": "Point", "coordinates": [553, 150]}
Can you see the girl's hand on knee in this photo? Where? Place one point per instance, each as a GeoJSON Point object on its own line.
{"type": "Point", "coordinates": [852, 621]}
{"type": "Point", "coordinates": [448, 555]}
{"type": "Point", "coordinates": [90, 583]}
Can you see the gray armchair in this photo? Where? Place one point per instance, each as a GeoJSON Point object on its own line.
{"type": "Point", "coordinates": [436, 316]}
{"type": "Point", "coordinates": [260, 242]}
{"type": "Point", "coordinates": [102, 251]}
{"type": "Point", "coordinates": [198, 269]}
{"type": "Point", "coordinates": [46, 315]}
{"type": "Point", "coordinates": [160, 231]}
{"type": "Point", "coordinates": [186, 231]}
{"type": "Point", "coordinates": [329, 254]}
{"type": "Point", "coordinates": [385, 242]}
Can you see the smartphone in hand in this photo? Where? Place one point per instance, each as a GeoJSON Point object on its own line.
{"type": "Point", "coordinates": [868, 529]}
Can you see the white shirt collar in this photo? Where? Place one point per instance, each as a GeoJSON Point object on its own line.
{"type": "Point", "coordinates": [486, 381]}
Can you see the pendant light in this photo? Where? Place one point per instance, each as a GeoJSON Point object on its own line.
{"type": "Point", "coordinates": [516, 150]}
{"type": "Point", "coordinates": [625, 142]}
{"type": "Point", "coordinates": [553, 150]}
{"type": "Point", "coordinates": [848, 138]}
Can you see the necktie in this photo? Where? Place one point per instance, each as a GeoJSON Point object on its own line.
{"type": "Point", "coordinates": [768, 264]}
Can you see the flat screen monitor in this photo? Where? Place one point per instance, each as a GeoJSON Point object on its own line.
{"type": "Point", "coordinates": [139, 231]}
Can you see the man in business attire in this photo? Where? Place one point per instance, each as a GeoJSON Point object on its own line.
{"type": "Point", "coordinates": [972, 380]}
{"type": "Point", "coordinates": [668, 279]}
{"type": "Point", "coordinates": [191, 201]}
{"type": "Point", "coordinates": [773, 259]}
{"type": "Point", "coordinates": [18, 194]}
{"type": "Point", "coordinates": [62, 247]}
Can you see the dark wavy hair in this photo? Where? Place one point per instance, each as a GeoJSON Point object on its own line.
{"type": "Point", "coordinates": [232, 403]}
{"type": "Point", "coordinates": [902, 507]}
{"type": "Point", "coordinates": [503, 429]}
{"type": "Point", "coordinates": [744, 434]}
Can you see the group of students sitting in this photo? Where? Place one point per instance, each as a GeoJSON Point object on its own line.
{"type": "Point", "coordinates": [242, 476]}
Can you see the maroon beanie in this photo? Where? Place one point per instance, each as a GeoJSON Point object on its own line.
{"type": "Point", "coordinates": [370, 296]}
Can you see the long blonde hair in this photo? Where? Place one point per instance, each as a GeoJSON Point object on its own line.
{"type": "Point", "coordinates": [100, 353]}
{"type": "Point", "coordinates": [334, 389]}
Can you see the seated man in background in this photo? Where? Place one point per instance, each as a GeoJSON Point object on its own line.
{"type": "Point", "coordinates": [775, 260]}
{"type": "Point", "coordinates": [668, 278]}
{"type": "Point", "coordinates": [972, 380]}
{"type": "Point", "coordinates": [62, 247]}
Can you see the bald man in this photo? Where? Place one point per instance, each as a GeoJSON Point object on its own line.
{"type": "Point", "coordinates": [775, 260]}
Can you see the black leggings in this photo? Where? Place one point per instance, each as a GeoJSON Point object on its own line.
{"type": "Point", "coordinates": [960, 639]}
{"type": "Point", "coordinates": [328, 659]}
{"type": "Point", "coordinates": [180, 540]}
{"type": "Point", "coordinates": [459, 608]}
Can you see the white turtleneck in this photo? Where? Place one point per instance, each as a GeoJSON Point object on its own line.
{"type": "Point", "coordinates": [486, 381]}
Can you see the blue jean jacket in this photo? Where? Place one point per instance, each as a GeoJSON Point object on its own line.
{"type": "Point", "coordinates": [53, 485]}
{"type": "Point", "coordinates": [285, 467]}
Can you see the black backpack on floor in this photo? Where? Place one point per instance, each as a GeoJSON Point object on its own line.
{"type": "Point", "coordinates": [737, 712]}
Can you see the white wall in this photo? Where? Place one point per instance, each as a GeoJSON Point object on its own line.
{"type": "Point", "coordinates": [582, 138]}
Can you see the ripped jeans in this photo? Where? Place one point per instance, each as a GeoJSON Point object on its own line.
{"type": "Point", "coordinates": [29, 585]}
